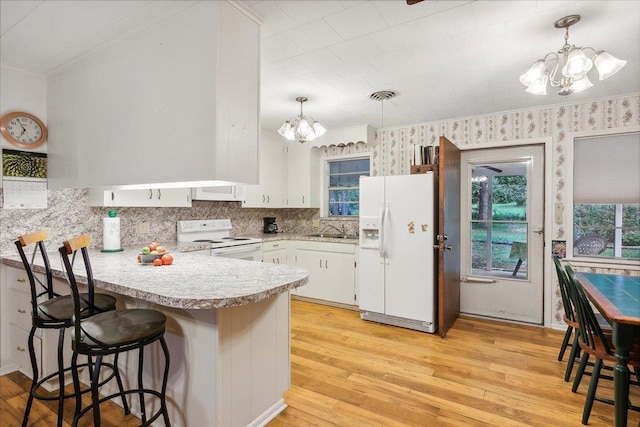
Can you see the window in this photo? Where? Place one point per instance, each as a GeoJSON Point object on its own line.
{"type": "Point", "coordinates": [606, 197]}
{"type": "Point", "coordinates": [344, 186]}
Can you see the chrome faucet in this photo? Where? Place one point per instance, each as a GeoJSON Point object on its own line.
{"type": "Point", "coordinates": [342, 232]}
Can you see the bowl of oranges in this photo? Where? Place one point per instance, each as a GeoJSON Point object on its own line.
{"type": "Point", "coordinates": [156, 254]}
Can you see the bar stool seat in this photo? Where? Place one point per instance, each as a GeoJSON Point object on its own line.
{"type": "Point", "coordinates": [50, 310]}
{"type": "Point", "coordinates": [113, 333]}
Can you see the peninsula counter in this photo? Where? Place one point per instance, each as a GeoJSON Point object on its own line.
{"type": "Point", "coordinates": [227, 329]}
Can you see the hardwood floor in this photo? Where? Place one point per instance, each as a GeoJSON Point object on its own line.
{"type": "Point", "coordinates": [349, 372]}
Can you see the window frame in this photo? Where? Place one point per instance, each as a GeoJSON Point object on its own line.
{"type": "Point", "coordinates": [324, 207]}
{"type": "Point", "coordinates": [568, 207]}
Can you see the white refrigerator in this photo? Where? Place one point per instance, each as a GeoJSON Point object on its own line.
{"type": "Point", "coordinates": [396, 279]}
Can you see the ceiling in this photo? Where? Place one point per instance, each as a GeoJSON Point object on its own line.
{"type": "Point", "coordinates": [446, 59]}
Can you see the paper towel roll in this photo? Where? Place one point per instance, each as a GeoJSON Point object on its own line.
{"type": "Point", "coordinates": [111, 233]}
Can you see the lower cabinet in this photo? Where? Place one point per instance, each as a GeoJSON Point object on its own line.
{"type": "Point", "coordinates": [16, 326]}
{"type": "Point", "coordinates": [331, 269]}
{"type": "Point", "coordinates": [275, 252]}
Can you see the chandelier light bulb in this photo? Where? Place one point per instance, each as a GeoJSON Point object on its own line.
{"type": "Point", "coordinates": [539, 86]}
{"type": "Point", "coordinates": [534, 74]}
{"type": "Point", "coordinates": [581, 84]}
{"type": "Point", "coordinates": [607, 64]}
{"type": "Point", "coordinates": [578, 65]}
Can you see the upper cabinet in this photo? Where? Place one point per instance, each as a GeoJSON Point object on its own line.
{"type": "Point", "coordinates": [175, 102]}
{"type": "Point", "coordinates": [165, 197]}
{"type": "Point", "coordinates": [269, 193]}
{"type": "Point", "coordinates": [303, 186]}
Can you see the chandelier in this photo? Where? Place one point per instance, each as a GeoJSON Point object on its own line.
{"type": "Point", "coordinates": [301, 128]}
{"type": "Point", "coordinates": [567, 68]}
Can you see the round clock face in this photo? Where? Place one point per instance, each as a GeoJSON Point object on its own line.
{"type": "Point", "coordinates": [23, 130]}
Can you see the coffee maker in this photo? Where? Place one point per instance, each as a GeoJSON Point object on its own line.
{"type": "Point", "coordinates": [270, 225]}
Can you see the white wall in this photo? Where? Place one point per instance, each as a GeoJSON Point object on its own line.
{"type": "Point", "coordinates": [22, 91]}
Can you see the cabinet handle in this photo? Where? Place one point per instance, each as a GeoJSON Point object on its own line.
{"type": "Point", "coordinates": [22, 311]}
{"type": "Point", "coordinates": [20, 348]}
{"type": "Point", "coordinates": [276, 245]}
{"type": "Point", "coordinates": [263, 198]}
{"type": "Point", "coordinates": [21, 280]}
{"type": "Point", "coordinates": [303, 200]}
{"type": "Point", "coordinates": [113, 195]}
{"type": "Point", "coordinates": [320, 263]}
{"type": "Point", "coordinates": [159, 194]}
{"type": "Point", "coordinates": [150, 194]}
{"type": "Point", "coordinates": [325, 263]}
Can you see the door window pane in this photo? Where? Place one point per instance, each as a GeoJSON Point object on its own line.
{"type": "Point", "coordinates": [499, 227]}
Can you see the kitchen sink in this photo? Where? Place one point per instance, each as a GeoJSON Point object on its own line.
{"type": "Point", "coordinates": [334, 236]}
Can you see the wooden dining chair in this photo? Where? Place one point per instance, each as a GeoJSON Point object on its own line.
{"type": "Point", "coordinates": [594, 342]}
{"type": "Point", "coordinates": [571, 319]}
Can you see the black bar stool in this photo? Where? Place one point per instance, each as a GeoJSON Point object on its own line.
{"type": "Point", "coordinates": [112, 333]}
{"type": "Point", "coordinates": [50, 310]}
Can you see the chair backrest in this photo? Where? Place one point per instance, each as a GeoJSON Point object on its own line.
{"type": "Point", "coordinates": [68, 252]}
{"type": "Point", "coordinates": [590, 245]}
{"type": "Point", "coordinates": [37, 288]}
{"type": "Point", "coordinates": [567, 302]}
{"type": "Point", "coordinates": [590, 330]}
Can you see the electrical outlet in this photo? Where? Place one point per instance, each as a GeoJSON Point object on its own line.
{"type": "Point", "coordinates": [304, 222]}
{"type": "Point", "coordinates": [144, 228]}
{"type": "Point", "coordinates": [315, 222]}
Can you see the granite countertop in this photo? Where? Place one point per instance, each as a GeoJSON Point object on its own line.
{"type": "Point", "coordinates": [191, 282]}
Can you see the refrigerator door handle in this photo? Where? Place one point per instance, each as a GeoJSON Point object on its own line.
{"type": "Point", "coordinates": [381, 232]}
{"type": "Point", "coordinates": [386, 219]}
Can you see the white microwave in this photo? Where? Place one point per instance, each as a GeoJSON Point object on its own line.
{"type": "Point", "coordinates": [231, 192]}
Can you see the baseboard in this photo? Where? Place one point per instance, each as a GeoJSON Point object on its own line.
{"type": "Point", "coordinates": [269, 414]}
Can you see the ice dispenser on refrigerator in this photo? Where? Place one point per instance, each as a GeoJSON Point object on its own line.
{"type": "Point", "coordinates": [370, 232]}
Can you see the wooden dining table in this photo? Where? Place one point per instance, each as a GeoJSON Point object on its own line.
{"type": "Point", "coordinates": [617, 297]}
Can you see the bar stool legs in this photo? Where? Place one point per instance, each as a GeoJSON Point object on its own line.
{"type": "Point", "coordinates": [140, 391]}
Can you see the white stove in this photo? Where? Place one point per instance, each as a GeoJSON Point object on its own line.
{"type": "Point", "coordinates": [217, 232]}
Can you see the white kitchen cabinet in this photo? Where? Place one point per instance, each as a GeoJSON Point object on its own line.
{"type": "Point", "coordinates": [165, 197]}
{"type": "Point", "coordinates": [177, 102]}
{"type": "Point", "coordinates": [16, 325]}
{"type": "Point", "coordinates": [331, 269]}
{"type": "Point", "coordinates": [275, 252]}
{"type": "Point", "coordinates": [303, 178]}
{"type": "Point", "coordinates": [269, 193]}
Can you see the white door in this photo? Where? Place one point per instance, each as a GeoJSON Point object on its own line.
{"type": "Point", "coordinates": [502, 236]}
{"type": "Point", "coordinates": [408, 242]}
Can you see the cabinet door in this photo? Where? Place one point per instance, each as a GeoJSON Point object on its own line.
{"type": "Point", "coordinates": [270, 191]}
{"type": "Point", "coordinates": [339, 277]}
{"type": "Point", "coordinates": [302, 176]}
{"type": "Point", "coordinates": [310, 261]}
{"type": "Point", "coordinates": [175, 197]}
{"type": "Point", "coordinates": [172, 197]}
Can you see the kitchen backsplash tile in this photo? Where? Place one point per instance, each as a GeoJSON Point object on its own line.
{"type": "Point", "coordinates": [69, 215]}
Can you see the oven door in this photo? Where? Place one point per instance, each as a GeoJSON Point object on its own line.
{"type": "Point", "coordinates": [252, 252]}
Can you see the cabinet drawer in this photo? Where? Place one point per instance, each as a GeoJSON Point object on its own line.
{"type": "Point", "coordinates": [19, 308]}
{"type": "Point", "coordinates": [19, 280]}
{"type": "Point", "coordinates": [345, 248]}
{"type": "Point", "coordinates": [274, 245]}
{"type": "Point", "coordinates": [18, 344]}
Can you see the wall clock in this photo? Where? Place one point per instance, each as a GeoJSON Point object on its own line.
{"type": "Point", "coordinates": [23, 130]}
